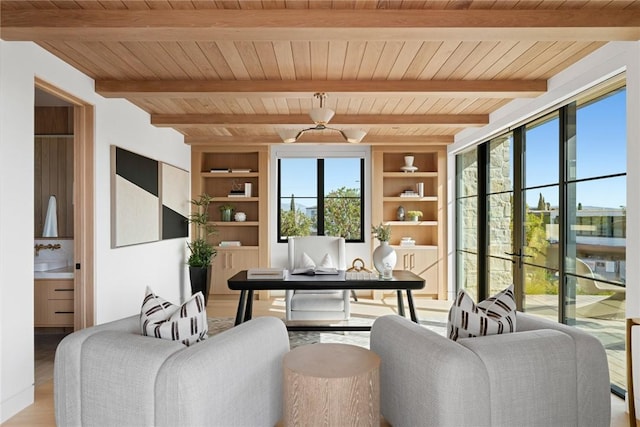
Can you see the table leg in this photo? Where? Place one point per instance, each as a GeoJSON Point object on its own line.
{"type": "Point", "coordinates": [243, 294]}
{"type": "Point", "coordinates": [400, 303]}
{"type": "Point", "coordinates": [412, 309]}
{"type": "Point", "coordinates": [249, 306]}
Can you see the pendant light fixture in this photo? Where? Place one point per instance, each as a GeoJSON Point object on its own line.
{"type": "Point", "coordinates": [320, 117]}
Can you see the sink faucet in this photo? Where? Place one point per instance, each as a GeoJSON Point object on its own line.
{"type": "Point", "coordinates": [41, 246]}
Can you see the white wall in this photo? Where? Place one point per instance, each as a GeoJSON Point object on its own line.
{"type": "Point", "coordinates": [278, 251]}
{"type": "Point", "coordinates": [604, 63]}
{"type": "Point", "coordinates": [120, 274]}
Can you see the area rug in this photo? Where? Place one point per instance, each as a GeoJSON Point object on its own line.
{"type": "Point", "coordinates": [298, 338]}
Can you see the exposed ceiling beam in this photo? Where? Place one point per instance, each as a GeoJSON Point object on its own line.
{"type": "Point", "coordinates": [306, 88]}
{"type": "Point", "coordinates": [296, 120]}
{"type": "Point", "coordinates": [424, 140]}
{"type": "Point", "coordinates": [319, 24]}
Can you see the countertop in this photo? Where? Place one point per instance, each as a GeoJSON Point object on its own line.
{"type": "Point", "coordinates": [58, 273]}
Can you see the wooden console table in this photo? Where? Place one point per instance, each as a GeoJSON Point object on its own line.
{"type": "Point", "coordinates": [330, 385]}
{"type": "Point", "coordinates": [402, 280]}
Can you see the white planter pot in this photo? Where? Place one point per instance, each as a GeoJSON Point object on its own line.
{"type": "Point", "coordinates": [384, 257]}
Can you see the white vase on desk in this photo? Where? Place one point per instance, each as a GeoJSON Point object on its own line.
{"type": "Point", "coordinates": [384, 257]}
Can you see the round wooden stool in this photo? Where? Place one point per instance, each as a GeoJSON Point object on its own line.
{"type": "Point", "coordinates": [330, 385]}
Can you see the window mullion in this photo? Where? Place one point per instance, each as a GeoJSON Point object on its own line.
{"type": "Point", "coordinates": [320, 198]}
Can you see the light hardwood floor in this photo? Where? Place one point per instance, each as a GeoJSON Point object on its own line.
{"type": "Point", "coordinates": [41, 412]}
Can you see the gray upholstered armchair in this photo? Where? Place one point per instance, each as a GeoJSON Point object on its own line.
{"type": "Point", "coordinates": [546, 374]}
{"type": "Point", "coordinates": [317, 304]}
{"type": "Point", "coordinates": [111, 375]}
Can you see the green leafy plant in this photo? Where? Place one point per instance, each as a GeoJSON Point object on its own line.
{"type": "Point", "coordinates": [382, 232]}
{"type": "Point", "coordinates": [414, 214]}
{"type": "Point", "coordinates": [201, 250]}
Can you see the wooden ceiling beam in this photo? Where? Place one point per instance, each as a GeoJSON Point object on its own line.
{"type": "Point", "coordinates": [423, 140]}
{"type": "Point", "coordinates": [306, 88]}
{"type": "Point", "coordinates": [297, 120]}
{"type": "Point", "coordinates": [319, 24]}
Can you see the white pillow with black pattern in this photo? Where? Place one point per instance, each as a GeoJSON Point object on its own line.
{"type": "Point", "coordinates": [186, 323]}
{"type": "Point", "coordinates": [495, 315]}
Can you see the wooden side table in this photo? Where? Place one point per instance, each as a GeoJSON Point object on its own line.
{"type": "Point", "coordinates": [331, 384]}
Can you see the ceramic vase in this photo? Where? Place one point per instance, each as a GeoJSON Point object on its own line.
{"type": "Point", "coordinates": [384, 257]}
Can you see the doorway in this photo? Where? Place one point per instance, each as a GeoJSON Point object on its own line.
{"type": "Point", "coordinates": [78, 227]}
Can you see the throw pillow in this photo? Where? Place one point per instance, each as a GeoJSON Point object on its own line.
{"type": "Point", "coordinates": [186, 323]}
{"type": "Point", "coordinates": [326, 262]}
{"type": "Point", "coordinates": [495, 315]}
{"type": "Point", "coordinates": [305, 262]}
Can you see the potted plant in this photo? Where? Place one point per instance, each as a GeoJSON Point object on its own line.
{"type": "Point", "coordinates": [201, 250]}
{"type": "Point", "coordinates": [414, 215]}
{"type": "Point", "coordinates": [226, 212]}
{"type": "Point", "coordinates": [384, 256]}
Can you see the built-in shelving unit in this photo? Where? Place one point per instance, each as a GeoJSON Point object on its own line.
{"type": "Point", "coordinates": [251, 233]}
{"type": "Point", "coordinates": [426, 257]}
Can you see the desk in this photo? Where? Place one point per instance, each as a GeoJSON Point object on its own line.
{"type": "Point", "coordinates": [401, 280]}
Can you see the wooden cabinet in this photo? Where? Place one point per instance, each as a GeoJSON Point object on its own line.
{"type": "Point", "coordinates": [222, 172]}
{"type": "Point", "coordinates": [54, 302]}
{"type": "Point", "coordinates": [423, 261]}
{"type": "Point", "coordinates": [228, 262]}
{"type": "Point", "coordinates": [393, 187]}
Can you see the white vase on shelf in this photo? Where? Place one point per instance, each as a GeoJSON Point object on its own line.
{"type": "Point", "coordinates": [384, 258]}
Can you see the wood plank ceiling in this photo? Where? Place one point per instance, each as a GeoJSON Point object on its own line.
{"type": "Point", "coordinates": [405, 71]}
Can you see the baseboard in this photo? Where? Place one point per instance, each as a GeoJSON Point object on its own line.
{"type": "Point", "coordinates": [16, 403]}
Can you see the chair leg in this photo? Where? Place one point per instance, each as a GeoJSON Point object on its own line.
{"type": "Point", "coordinates": [353, 294]}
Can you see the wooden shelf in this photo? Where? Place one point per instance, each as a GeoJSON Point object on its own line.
{"type": "Point", "coordinates": [230, 174]}
{"type": "Point", "coordinates": [410, 199]}
{"type": "Point", "coordinates": [235, 223]}
{"type": "Point", "coordinates": [416, 247]}
{"type": "Point", "coordinates": [236, 248]}
{"type": "Point", "coordinates": [235, 199]}
{"type": "Point", "coordinates": [410, 174]}
{"type": "Point", "coordinates": [412, 223]}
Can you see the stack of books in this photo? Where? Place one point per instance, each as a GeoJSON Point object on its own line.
{"type": "Point", "coordinates": [219, 170]}
{"type": "Point", "coordinates": [409, 193]}
{"type": "Point", "coordinates": [240, 170]}
{"type": "Point", "coordinates": [407, 241]}
{"type": "Point", "coordinates": [237, 193]}
{"type": "Point", "coordinates": [228, 243]}
{"type": "Point", "coordinates": [266, 273]}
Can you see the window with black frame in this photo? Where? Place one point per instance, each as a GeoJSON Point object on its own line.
{"type": "Point", "coordinates": [323, 197]}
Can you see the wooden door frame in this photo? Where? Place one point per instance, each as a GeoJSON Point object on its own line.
{"type": "Point", "coordinates": [83, 204]}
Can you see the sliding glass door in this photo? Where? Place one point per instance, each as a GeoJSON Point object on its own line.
{"type": "Point", "coordinates": [543, 207]}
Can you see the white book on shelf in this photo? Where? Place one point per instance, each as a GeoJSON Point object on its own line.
{"type": "Point", "coordinates": [228, 243]}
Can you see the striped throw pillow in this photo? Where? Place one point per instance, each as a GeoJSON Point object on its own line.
{"type": "Point", "coordinates": [186, 323]}
{"type": "Point", "coordinates": [495, 315]}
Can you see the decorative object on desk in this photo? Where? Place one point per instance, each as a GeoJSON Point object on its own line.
{"type": "Point", "coordinates": [240, 217]}
{"type": "Point", "coordinates": [266, 273]}
{"type": "Point", "coordinates": [247, 189]}
{"type": "Point", "coordinates": [414, 215]}
{"type": "Point", "coordinates": [226, 212]}
{"type": "Point", "coordinates": [420, 189]}
{"type": "Point", "coordinates": [400, 213]}
{"type": "Point", "coordinates": [201, 250]}
{"type": "Point", "coordinates": [384, 256]}
{"type": "Point", "coordinates": [358, 265]}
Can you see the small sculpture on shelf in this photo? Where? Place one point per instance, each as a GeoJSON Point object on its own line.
{"type": "Point", "coordinates": [400, 213]}
{"type": "Point", "coordinates": [408, 164]}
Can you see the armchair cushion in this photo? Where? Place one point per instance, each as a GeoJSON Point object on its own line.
{"type": "Point", "coordinates": [186, 323]}
{"type": "Point", "coordinates": [495, 315]}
